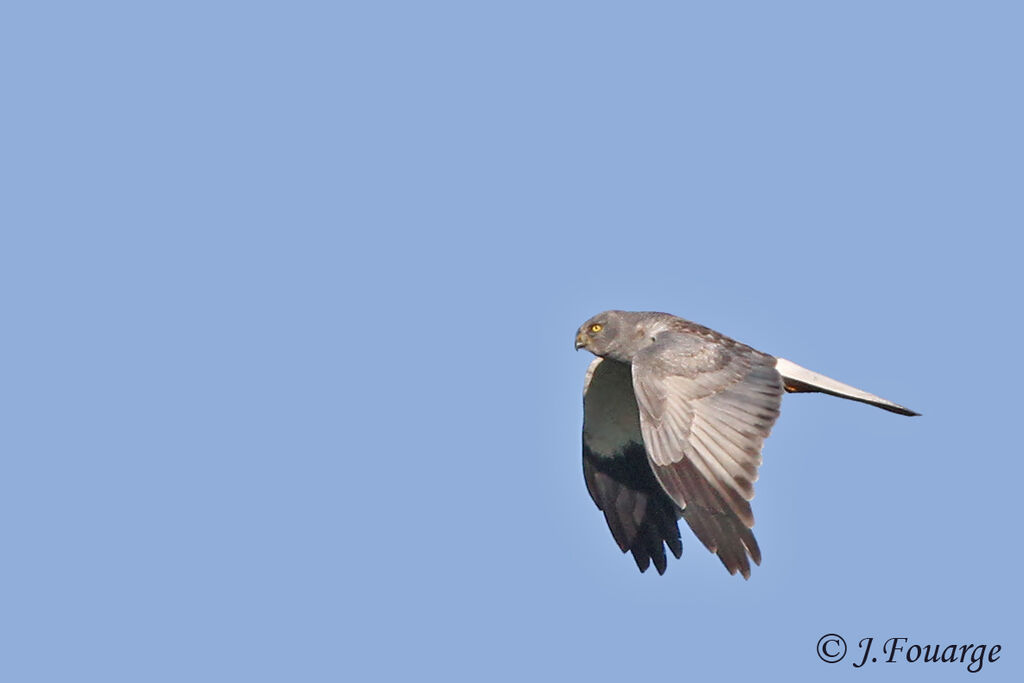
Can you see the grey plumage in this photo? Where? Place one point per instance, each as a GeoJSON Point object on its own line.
{"type": "Point", "coordinates": [675, 416]}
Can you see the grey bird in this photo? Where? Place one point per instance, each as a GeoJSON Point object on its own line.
{"type": "Point", "coordinates": [674, 418]}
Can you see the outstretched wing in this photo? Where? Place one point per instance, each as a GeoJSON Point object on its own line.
{"type": "Point", "coordinates": [642, 519]}
{"type": "Point", "coordinates": [799, 380]}
{"type": "Point", "coordinates": [706, 405]}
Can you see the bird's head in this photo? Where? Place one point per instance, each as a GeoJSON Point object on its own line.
{"type": "Point", "coordinates": [600, 334]}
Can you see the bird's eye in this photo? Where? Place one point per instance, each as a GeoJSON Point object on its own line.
{"type": "Point", "coordinates": [596, 327]}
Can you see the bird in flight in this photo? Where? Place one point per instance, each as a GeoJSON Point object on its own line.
{"type": "Point", "coordinates": [674, 418]}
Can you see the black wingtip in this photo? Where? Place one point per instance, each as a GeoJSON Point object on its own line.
{"type": "Point", "coordinates": [642, 560]}
{"type": "Point", "coordinates": [899, 410]}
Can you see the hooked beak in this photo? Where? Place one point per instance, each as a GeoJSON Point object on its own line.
{"type": "Point", "coordinates": [581, 340]}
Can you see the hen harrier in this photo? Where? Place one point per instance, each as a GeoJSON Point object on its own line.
{"type": "Point", "coordinates": [674, 417]}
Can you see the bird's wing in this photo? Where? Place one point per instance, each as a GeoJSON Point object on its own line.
{"type": "Point", "coordinates": [798, 379]}
{"type": "Point", "coordinates": [706, 405]}
{"type": "Point", "coordinates": [641, 517]}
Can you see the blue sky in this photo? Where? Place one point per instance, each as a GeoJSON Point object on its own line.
{"type": "Point", "coordinates": [290, 292]}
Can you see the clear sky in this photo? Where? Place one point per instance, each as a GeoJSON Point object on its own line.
{"type": "Point", "coordinates": [290, 290]}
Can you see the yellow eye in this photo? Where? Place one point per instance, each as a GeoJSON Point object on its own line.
{"type": "Point", "coordinates": [596, 327]}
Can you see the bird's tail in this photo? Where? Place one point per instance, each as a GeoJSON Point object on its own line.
{"type": "Point", "coordinates": [798, 379]}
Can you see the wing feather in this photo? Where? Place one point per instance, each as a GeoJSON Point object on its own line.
{"type": "Point", "coordinates": [641, 517]}
{"type": "Point", "coordinates": [705, 408]}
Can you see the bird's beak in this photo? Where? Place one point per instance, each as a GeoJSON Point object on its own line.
{"type": "Point", "coordinates": [581, 340]}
